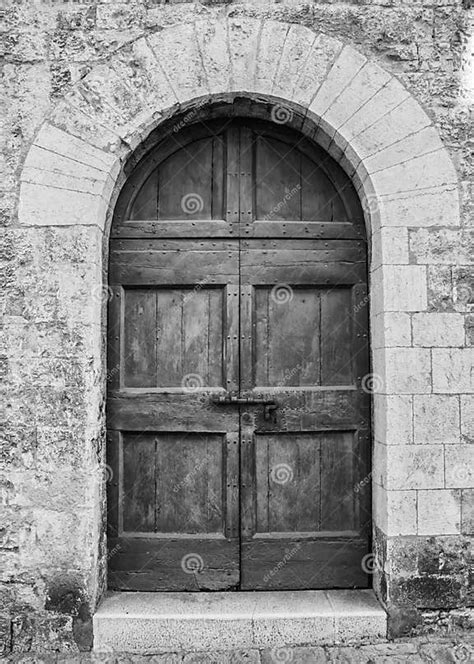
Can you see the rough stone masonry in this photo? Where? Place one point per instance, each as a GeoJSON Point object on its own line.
{"type": "Point", "coordinates": [80, 91]}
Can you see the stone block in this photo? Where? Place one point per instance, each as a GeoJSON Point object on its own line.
{"type": "Point", "coordinates": [395, 511]}
{"type": "Point", "coordinates": [272, 39]}
{"type": "Point", "coordinates": [390, 246]}
{"type": "Point", "coordinates": [48, 176]}
{"type": "Point", "coordinates": [177, 51]}
{"type": "Point", "coordinates": [393, 419]}
{"type": "Point", "coordinates": [43, 205]}
{"type": "Point", "coordinates": [78, 123]}
{"type": "Point", "coordinates": [404, 287]}
{"type": "Point", "coordinates": [106, 98]}
{"type": "Point", "coordinates": [430, 170]}
{"type": "Point", "coordinates": [369, 80]}
{"type": "Point", "coordinates": [433, 207]}
{"type": "Point", "coordinates": [442, 246]}
{"type": "Point", "coordinates": [298, 44]}
{"type": "Point", "coordinates": [347, 65]}
{"type": "Point", "coordinates": [243, 46]}
{"type": "Point", "coordinates": [402, 513]}
{"type": "Point", "coordinates": [436, 419]}
{"type": "Point", "coordinates": [404, 119]}
{"type": "Point", "coordinates": [60, 142]}
{"type": "Point", "coordinates": [440, 295]}
{"type": "Point", "coordinates": [433, 329]}
{"type": "Point", "coordinates": [319, 61]}
{"type": "Point", "coordinates": [439, 512]}
{"type": "Point", "coordinates": [425, 592]}
{"type": "Point", "coordinates": [459, 466]}
{"type": "Point", "coordinates": [137, 65]}
{"type": "Point", "coordinates": [388, 97]}
{"type": "Point", "coordinates": [407, 371]}
{"type": "Point", "coordinates": [453, 370]}
{"type": "Point", "coordinates": [425, 141]}
{"type": "Point", "coordinates": [443, 556]}
{"type": "Point", "coordinates": [414, 467]}
{"type": "Point", "coordinates": [391, 329]}
{"type": "Point", "coordinates": [463, 288]}
{"type": "Point", "coordinates": [212, 39]}
{"type": "Point", "coordinates": [467, 417]}
{"type": "Point", "coordinates": [50, 633]}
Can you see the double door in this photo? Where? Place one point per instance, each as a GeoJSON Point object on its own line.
{"type": "Point", "coordinates": [238, 427]}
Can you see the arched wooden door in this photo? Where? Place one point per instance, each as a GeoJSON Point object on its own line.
{"type": "Point", "coordinates": [238, 427]}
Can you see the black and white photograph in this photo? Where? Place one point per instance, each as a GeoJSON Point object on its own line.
{"type": "Point", "coordinates": [237, 332]}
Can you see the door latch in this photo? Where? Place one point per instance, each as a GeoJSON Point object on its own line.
{"type": "Point", "coordinates": [269, 405]}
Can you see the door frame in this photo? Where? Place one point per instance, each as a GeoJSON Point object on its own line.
{"type": "Point", "coordinates": [148, 152]}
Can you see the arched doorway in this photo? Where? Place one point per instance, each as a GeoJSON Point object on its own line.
{"type": "Point", "coordinates": [238, 420]}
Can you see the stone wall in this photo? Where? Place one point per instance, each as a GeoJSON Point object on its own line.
{"type": "Point", "coordinates": [52, 556]}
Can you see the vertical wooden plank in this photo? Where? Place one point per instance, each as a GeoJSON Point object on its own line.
{"type": "Point", "coordinates": [231, 336]}
{"type": "Point", "coordinates": [246, 178]}
{"type": "Point", "coordinates": [338, 481]}
{"type": "Point", "coordinates": [336, 337]}
{"type": "Point", "coordinates": [114, 337]}
{"type": "Point", "coordinates": [196, 322]}
{"type": "Point", "coordinates": [232, 479]}
{"type": "Point", "coordinates": [246, 355]}
{"type": "Point", "coordinates": [262, 482]}
{"type": "Point", "coordinates": [215, 350]}
{"type": "Point", "coordinates": [139, 348]}
{"type": "Point", "coordinates": [261, 345]}
{"type": "Point", "coordinates": [360, 331]}
{"type": "Point", "coordinates": [218, 178]}
{"type": "Point", "coordinates": [139, 470]}
{"type": "Point", "coordinates": [232, 176]}
{"type": "Point", "coordinates": [169, 344]}
{"type": "Point", "coordinates": [112, 478]}
{"type": "Point", "coordinates": [248, 496]}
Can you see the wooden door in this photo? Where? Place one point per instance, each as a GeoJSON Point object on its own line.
{"type": "Point", "coordinates": [238, 427]}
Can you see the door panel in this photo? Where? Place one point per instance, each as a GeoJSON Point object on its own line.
{"type": "Point", "coordinates": [299, 470]}
{"type": "Point", "coordinates": [173, 455]}
{"type": "Point", "coordinates": [255, 290]}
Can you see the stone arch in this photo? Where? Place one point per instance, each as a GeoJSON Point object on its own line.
{"type": "Point", "coordinates": [361, 114]}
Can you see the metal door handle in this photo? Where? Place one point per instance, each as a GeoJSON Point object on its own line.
{"type": "Point", "coordinates": [269, 405]}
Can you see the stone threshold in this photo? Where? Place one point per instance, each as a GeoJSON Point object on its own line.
{"type": "Point", "coordinates": [153, 623]}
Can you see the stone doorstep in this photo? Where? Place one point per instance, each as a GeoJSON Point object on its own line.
{"type": "Point", "coordinates": [152, 623]}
